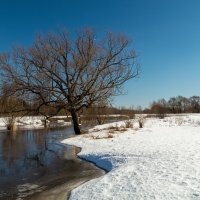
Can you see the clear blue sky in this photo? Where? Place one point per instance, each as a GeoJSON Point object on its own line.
{"type": "Point", "coordinates": [165, 34]}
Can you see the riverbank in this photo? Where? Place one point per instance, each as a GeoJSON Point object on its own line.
{"type": "Point", "coordinates": [160, 161]}
{"type": "Point", "coordinates": [61, 188]}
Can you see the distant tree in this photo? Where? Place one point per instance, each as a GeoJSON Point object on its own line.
{"type": "Point", "coordinates": [11, 108]}
{"type": "Point", "coordinates": [70, 74]}
{"type": "Point", "coordinates": [178, 104]}
{"type": "Point", "coordinates": [183, 104]}
{"type": "Point", "coordinates": [195, 104]}
{"type": "Point", "coordinates": [99, 111]}
{"type": "Point", "coordinates": [173, 105]}
{"type": "Point", "coordinates": [158, 109]}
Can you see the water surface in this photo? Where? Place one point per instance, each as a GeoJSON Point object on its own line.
{"type": "Point", "coordinates": [34, 161]}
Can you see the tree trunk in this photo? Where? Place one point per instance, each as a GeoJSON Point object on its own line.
{"type": "Point", "coordinates": [99, 120]}
{"type": "Point", "coordinates": [75, 122]}
{"type": "Point", "coordinates": [12, 127]}
{"type": "Point", "coordinates": [45, 122]}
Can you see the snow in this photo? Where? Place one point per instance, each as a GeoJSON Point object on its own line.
{"type": "Point", "coordinates": [28, 121]}
{"type": "Point", "coordinates": [159, 161]}
{"type": "Point", "coordinates": [32, 122]}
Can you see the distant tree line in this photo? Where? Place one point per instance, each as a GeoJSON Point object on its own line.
{"type": "Point", "coordinates": [175, 105]}
{"type": "Point", "coordinates": [18, 107]}
{"type": "Point", "coordinates": [160, 107]}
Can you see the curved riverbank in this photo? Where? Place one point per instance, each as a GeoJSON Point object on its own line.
{"type": "Point", "coordinates": [61, 188]}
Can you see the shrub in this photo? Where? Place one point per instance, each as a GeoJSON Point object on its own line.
{"type": "Point", "coordinates": [128, 124]}
{"type": "Point", "coordinates": [10, 123]}
{"type": "Point", "coordinates": [141, 122]}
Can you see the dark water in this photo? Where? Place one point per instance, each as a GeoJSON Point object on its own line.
{"type": "Point", "coordinates": [32, 161]}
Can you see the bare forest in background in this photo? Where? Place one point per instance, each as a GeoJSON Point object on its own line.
{"type": "Point", "coordinates": [174, 105]}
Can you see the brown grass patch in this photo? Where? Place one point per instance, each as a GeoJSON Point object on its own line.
{"type": "Point", "coordinates": [129, 124]}
{"type": "Point", "coordinates": [83, 132]}
{"type": "Point", "coordinates": [123, 129]}
{"type": "Point", "coordinates": [114, 129]}
{"type": "Point", "coordinates": [101, 137]}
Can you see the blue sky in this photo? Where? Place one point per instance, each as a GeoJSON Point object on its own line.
{"type": "Point", "coordinates": [165, 34]}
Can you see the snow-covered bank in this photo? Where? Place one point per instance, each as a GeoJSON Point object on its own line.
{"type": "Point", "coordinates": [28, 122]}
{"type": "Point", "coordinates": [160, 161]}
{"type": "Point", "coordinates": [32, 122]}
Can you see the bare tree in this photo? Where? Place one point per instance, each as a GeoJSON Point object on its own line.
{"type": "Point", "coordinates": [10, 109]}
{"type": "Point", "coordinates": [195, 104]}
{"type": "Point", "coordinates": [64, 73]}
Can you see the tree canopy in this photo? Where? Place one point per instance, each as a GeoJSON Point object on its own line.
{"type": "Point", "coordinates": [68, 73]}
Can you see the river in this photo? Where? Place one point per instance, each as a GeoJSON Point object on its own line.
{"type": "Point", "coordinates": [35, 165]}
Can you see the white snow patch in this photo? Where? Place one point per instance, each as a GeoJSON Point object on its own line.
{"type": "Point", "coordinates": [27, 189]}
{"type": "Point", "coordinates": [32, 122]}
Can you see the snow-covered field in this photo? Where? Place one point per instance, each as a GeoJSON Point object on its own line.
{"type": "Point", "coordinates": [159, 161]}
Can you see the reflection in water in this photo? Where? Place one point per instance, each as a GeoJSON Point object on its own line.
{"type": "Point", "coordinates": [32, 156]}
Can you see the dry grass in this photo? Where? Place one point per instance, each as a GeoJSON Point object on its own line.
{"type": "Point", "coordinates": [112, 128]}
{"type": "Point", "coordinates": [179, 121]}
{"type": "Point", "coordinates": [110, 135]}
{"type": "Point", "coordinates": [128, 124]}
{"type": "Point", "coordinates": [123, 129]}
{"type": "Point", "coordinates": [96, 130]}
{"type": "Point", "coordinates": [141, 122]}
{"type": "Point", "coordinates": [116, 129]}
{"type": "Point", "coordinates": [110, 131]}
{"type": "Point", "coordinates": [83, 132]}
{"type": "Point", "coordinates": [101, 137]}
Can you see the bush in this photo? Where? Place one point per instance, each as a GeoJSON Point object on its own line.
{"type": "Point", "coordinates": [141, 122]}
{"type": "Point", "coordinates": [10, 123]}
{"type": "Point", "coordinates": [128, 124]}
